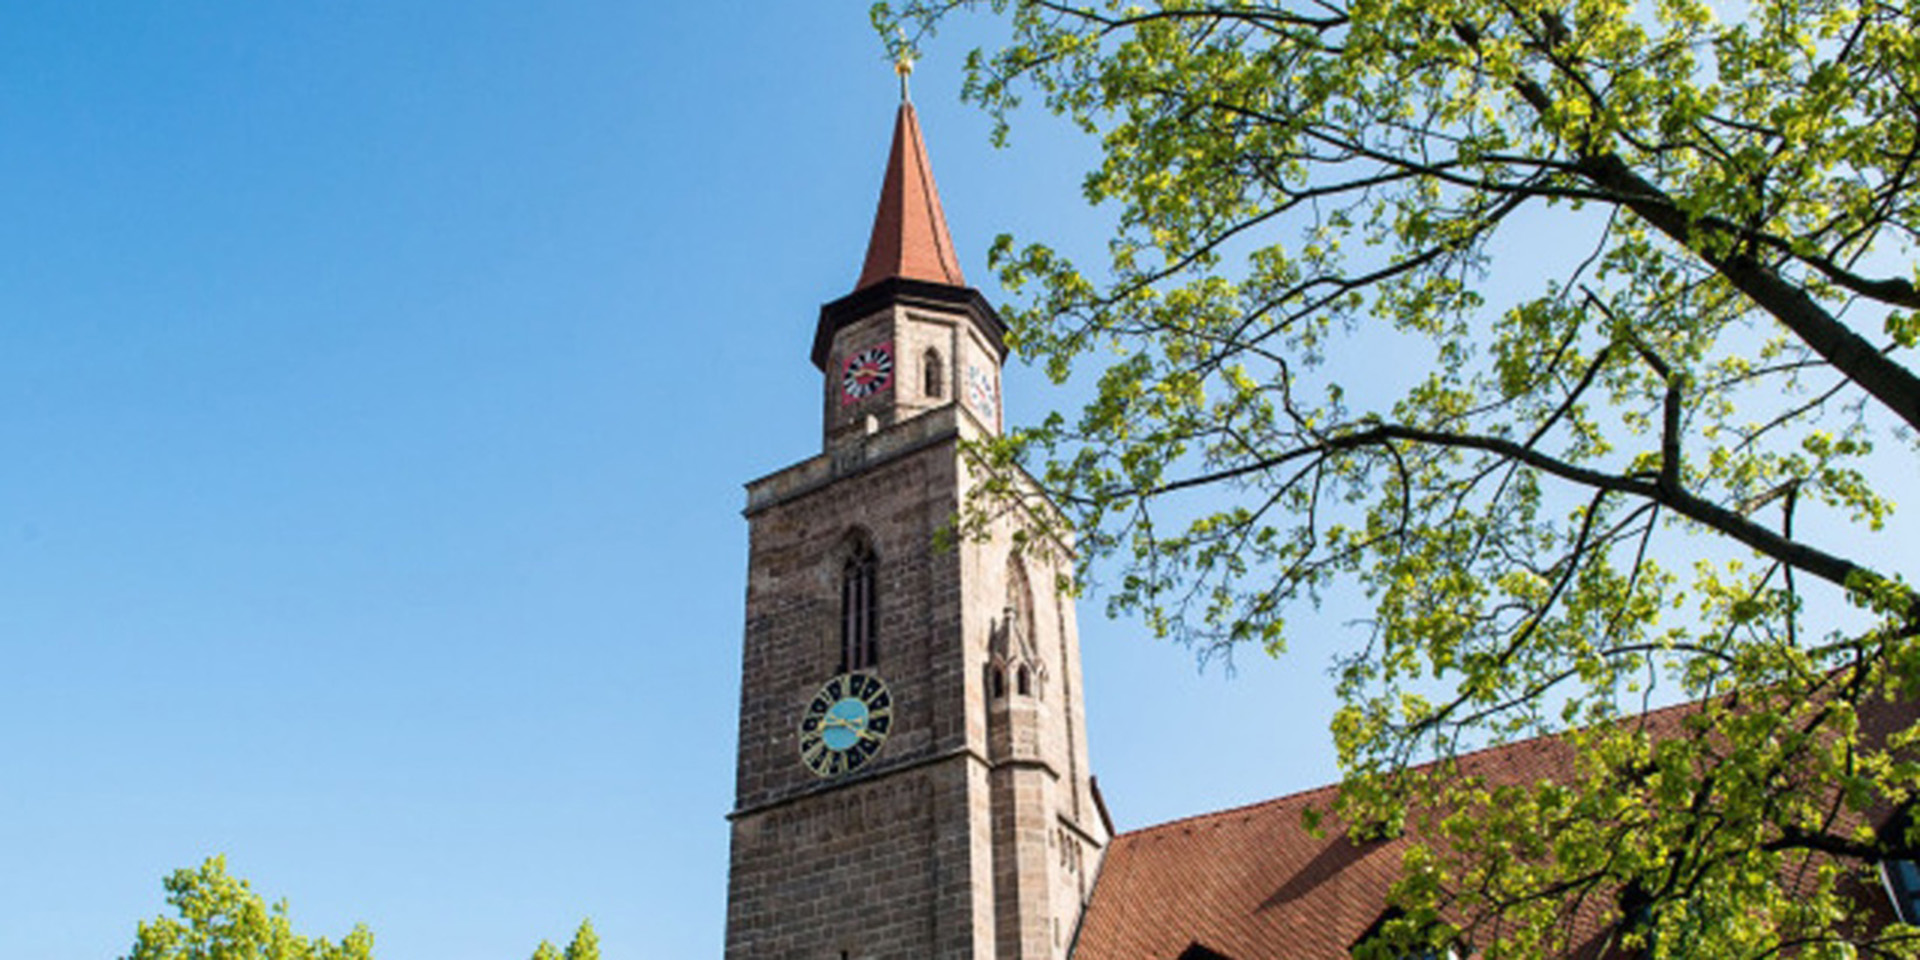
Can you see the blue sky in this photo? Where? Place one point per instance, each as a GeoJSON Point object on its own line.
{"type": "Point", "coordinates": [377, 383]}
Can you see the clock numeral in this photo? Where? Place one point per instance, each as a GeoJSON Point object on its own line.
{"type": "Point", "coordinates": [881, 702]}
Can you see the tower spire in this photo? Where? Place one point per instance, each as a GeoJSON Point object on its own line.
{"type": "Point", "coordinates": [909, 237]}
{"type": "Point", "coordinates": [910, 256]}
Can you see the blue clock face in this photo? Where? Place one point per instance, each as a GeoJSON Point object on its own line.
{"type": "Point", "coordinates": [845, 724]}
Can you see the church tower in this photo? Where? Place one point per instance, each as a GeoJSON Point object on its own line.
{"type": "Point", "coordinates": [912, 776]}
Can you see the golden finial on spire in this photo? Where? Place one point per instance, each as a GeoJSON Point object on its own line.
{"type": "Point", "coordinates": [903, 65]}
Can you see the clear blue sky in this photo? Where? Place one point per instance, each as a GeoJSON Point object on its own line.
{"type": "Point", "coordinates": [377, 381]}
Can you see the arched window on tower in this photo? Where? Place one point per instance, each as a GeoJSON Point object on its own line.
{"type": "Point", "coordinates": [933, 376]}
{"type": "Point", "coordinates": [859, 609]}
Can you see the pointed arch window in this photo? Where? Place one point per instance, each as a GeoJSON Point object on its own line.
{"type": "Point", "coordinates": [859, 609]}
{"type": "Point", "coordinates": [933, 377]}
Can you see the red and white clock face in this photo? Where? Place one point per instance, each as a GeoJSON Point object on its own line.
{"type": "Point", "coordinates": [866, 373]}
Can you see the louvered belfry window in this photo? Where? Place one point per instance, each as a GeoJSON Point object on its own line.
{"type": "Point", "coordinates": [859, 613]}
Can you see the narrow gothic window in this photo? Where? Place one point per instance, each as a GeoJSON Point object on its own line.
{"type": "Point", "coordinates": [859, 649]}
{"type": "Point", "coordinates": [1025, 681]}
{"type": "Point", "coordinates": [932, 377]}
{"type": "Point", "coordinates": [997, 682]}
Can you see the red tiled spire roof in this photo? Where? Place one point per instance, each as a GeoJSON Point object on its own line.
{"type": "Point", "coordinates": [909, 229]}
{"type": "Point", "coordinates": [910, 258]}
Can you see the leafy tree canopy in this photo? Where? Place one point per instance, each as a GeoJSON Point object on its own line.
{"type": "Point", "coordinates": [1654, 266]}
{"type": "Point", "coordinates": [585, 946]}
{"type": "Point", "coordinates": [222, 918]}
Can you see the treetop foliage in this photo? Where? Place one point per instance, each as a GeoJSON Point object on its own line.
{"type": "Point", "coordinates": [222, 918]}
{"type": "Point", "coordinates": [584, 946]}
{"type": "Point", "coordinates": [1645, 276]}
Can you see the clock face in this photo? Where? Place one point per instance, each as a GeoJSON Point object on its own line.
{"type": "Point", "coordinates": [845, 724]}
{"type": "Point", "coordinates": [980, 390]}
{"type": "Point", "coordinates": [866, 373]}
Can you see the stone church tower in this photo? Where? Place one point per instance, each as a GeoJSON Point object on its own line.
{"type": "Point", "coordinates": [912, 777]}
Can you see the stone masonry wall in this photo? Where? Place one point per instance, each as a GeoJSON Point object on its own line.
{"type": "Point", "coordinates": [972, 833]}
{"type": "Point", "coordinates": [881, 863]}
{"type": "Point", "coordinates": [878, 870]}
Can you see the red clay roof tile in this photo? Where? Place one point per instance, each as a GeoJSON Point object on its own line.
{"type": "Point", "coordinates": [1252, 883]}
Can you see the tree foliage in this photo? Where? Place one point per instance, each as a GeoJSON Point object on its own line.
{"type": "Point", "coordinates": [221, 918]}
{"type": "Point", "coordinates": [1646, 274]}
{"type": "Point", "coordinates": [585, 946]}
